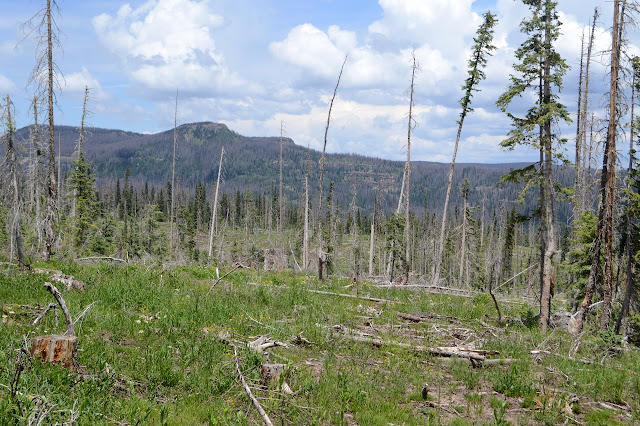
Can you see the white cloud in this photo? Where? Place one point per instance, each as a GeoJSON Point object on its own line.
{"type": "Point", "coordinates": [169, 43]}
{"type": "Point", "coordinates": [77, 81]}
{"type": "Point", "coordinates": [6, 85]}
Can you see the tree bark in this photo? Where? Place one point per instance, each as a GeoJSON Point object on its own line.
{"type": "Point", "coordinates": [611, 168]}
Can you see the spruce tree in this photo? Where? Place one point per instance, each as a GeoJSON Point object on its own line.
{"type": "Point", "coordinates": [540, 70]}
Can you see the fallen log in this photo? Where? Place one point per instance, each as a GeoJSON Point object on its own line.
{"type": "Point", "coordinates": [475, 356]}
{"type": "Point", "coordinates": [329, 293]}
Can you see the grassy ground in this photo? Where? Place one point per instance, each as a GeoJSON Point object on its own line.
{"type": "Point", "coordinates": [150, 353]}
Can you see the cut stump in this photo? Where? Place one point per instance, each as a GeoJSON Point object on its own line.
{"type": "Point", "coordinates": [55, 348]}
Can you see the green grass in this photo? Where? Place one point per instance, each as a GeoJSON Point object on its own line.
{"type": "Point", "coordinates": [150, 354]}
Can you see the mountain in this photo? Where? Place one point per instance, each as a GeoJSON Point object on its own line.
{"type": "Point", "coordinates": [253, 163]}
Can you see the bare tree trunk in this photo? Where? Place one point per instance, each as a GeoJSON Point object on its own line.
{"type": "Point", "coordinates": [215, 206]}
{"type": "Point", "coordinates": [305, 236]}
{"type": "Point", "coordinates": [579, 133]}
{"type": "Point", "coordinates": [407, 223]}
{"type": "Point", "coordinates": [16, 224]}
{"type": "Point", "coordinates": [627, 247]}
{"type": "Point", "coordinates": [53, 188]}
{"type": "Point", "coordinates": [585, 188]}
{"type": "Point", "coordinates": [463, 244]}
{"type": "Point", "coordinates": [322, 160]}
{"type": "Point", "coordinates": [173, 176]}
{"type": "Point", "coordinates": [280, 204]}
{"type": "Point", "coordinates": [611, 168]}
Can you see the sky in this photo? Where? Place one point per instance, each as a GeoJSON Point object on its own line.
{"type": "Point", "coordinates": [259, 65]}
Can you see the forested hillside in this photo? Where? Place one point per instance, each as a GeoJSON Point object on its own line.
{"type": "Point", "coordinates": [252, 163]}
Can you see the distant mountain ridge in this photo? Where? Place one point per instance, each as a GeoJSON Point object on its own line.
{"type": "Point", "coordinates": [253, 163]}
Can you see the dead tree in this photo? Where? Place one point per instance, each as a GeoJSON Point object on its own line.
{"type": "Point", "coordinates": [581, 184]}
{"type": "Point", "coordinates": [604, 231]}
{"type": "Point", "coordinates": [410, 126]}
{"type": "Point", "coordinates": [45, 77]}
{"type": "Point", "coordinates": [215, 205]}
{"type": "Point", "coordinates": [16, 221]}
{"type": "Point", "coordinates": [321, 254]}
{"type": "Point", "coordinates": [612, 129]}
{"type": "Point", "coordinates": [173, 176]}
{"type": "Point", "coordinates": [280, 202]}
{"type": "Point", "coordinates": [305, 236]}
{"type": "Point", "coordinates": [630, 285]}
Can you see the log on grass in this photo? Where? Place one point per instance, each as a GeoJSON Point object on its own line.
{"type": "Point", "coordinates": [55, 348]}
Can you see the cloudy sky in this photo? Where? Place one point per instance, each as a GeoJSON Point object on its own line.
{"type": "Point", "coordinates": [254, 64]}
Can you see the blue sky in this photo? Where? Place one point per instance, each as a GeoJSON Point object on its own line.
{"type": "Point", "coordinates": [253, 64]}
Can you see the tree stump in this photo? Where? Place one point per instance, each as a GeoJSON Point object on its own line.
{"type": "Point", "coordinates": [55, 348]}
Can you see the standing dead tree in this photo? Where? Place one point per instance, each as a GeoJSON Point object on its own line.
{"type": "Point", "coordinates": [280, 199]}
{"type": "Point", "coordinates": [630, 284]}
{"type": "Point", "coordinates": [173, 175]}
{"type": "Point", "coordinates": [305, 236]}
{"type": "Point", "coordinates": [581, 134]}
{"type": "Point", "coordinates": [407, 172]}
{"type": "Point", "coordinates": [482, 48]}
{"type": "Point", "coordinates": [321, 254]}
{"type": "Point", "coordinates": [16, 223]}
{"type": "Point", "coordinates": [604, 231]}
{"type": "Point", "coordinates": [45, 77]}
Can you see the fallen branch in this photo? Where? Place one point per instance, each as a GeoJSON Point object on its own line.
{"type": "Point", "coordinates": [115, 259]}
{"type": "Point", "coordinates": [84, 312]}
{"type": "Point", "coordinates": [49, 307]}
{"type": "Point", "coordinates": [256, 403]}
{"type": "Point", "coordinates": [57, 348]}
{"type": "Point", "coordinates": [263, 343]}
{"type": "Point", "coordinates": [67, 315]}
{"type": "Point", "coordinates": [428, 315]}
{"type": "Point", "coordinates": [238, 265]}
{"type": "Point", "coordinates": [541, 352]}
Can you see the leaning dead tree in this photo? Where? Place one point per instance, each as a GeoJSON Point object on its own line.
{"type": "Point", "coordinates": [321, 254]}
{"type": "Point", "coordinates": [215, 206]}
{"type": "Point", "coordinates": [45, 77]}
{"type": "Point", "coordinates": [482, 48]}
